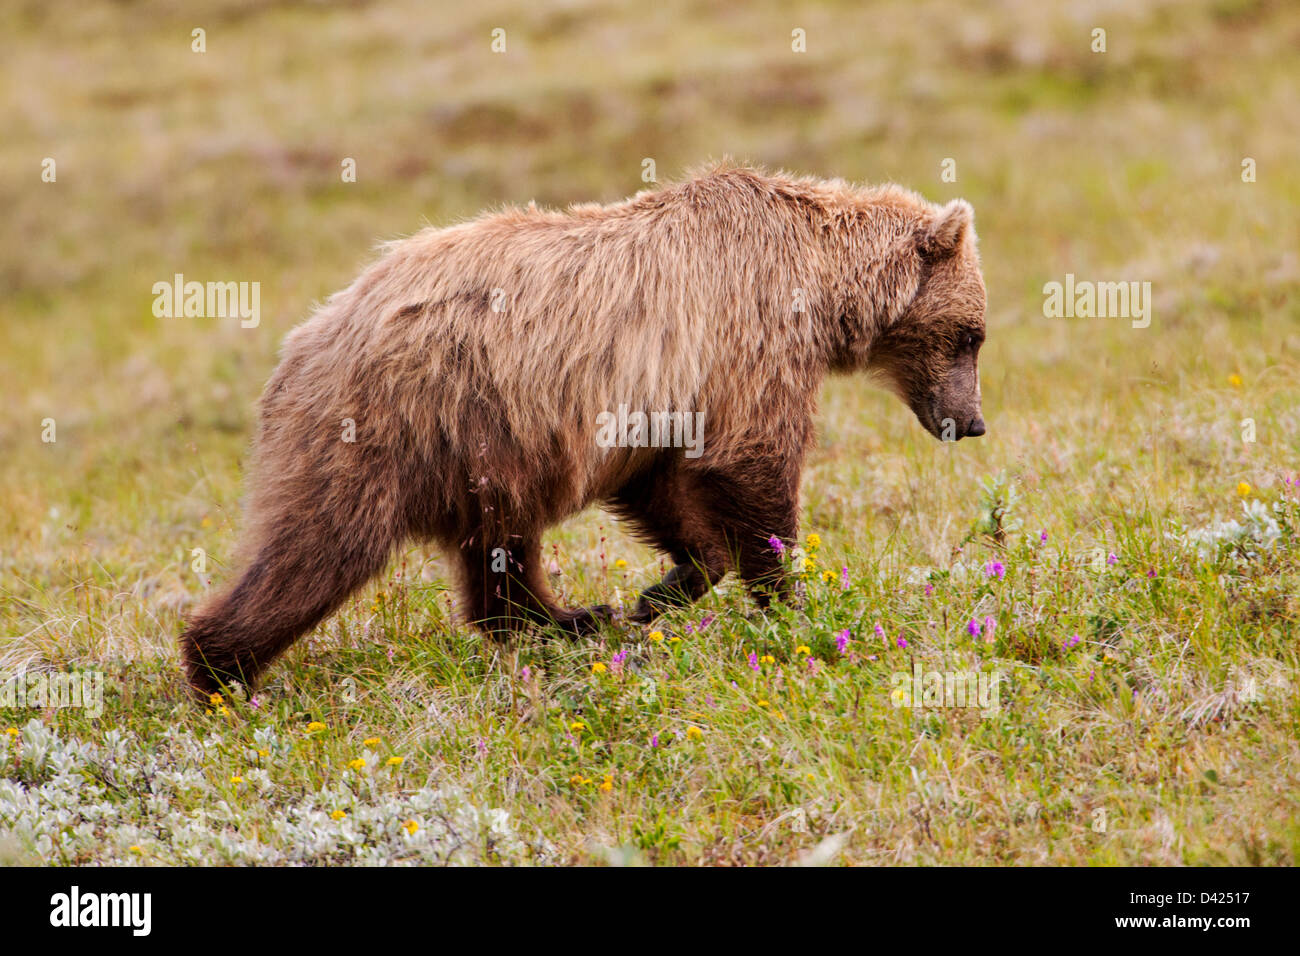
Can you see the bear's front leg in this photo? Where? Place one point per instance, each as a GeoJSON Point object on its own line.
{"type": "Point", "coordinates": [504, 589]}
{"type": "Point", "coordinates": [710, 522]}
{"type": "Point", "coordinates": [684, 584]}
{"type": "Point", "coordinates": [754, 508]}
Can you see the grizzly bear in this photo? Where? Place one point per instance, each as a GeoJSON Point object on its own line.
{"type": "Point", "coordinates": [455, 392]}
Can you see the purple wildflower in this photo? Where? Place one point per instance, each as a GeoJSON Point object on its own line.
{"type": "Point", "coordinates": [654, 739]}
{"type": "Point", "coordinates": [776, 544]}
{"type": "Point", "coordinates": [526, 673]}
{"type": "Point", "coordinates": [1074, 640]}
{"type": "Point", "coordinates": [1111, 559]}
{"type": "Point", "coordinates": [844, 578]}
{"type": "Point", "coordinates": [929, 590]}
{"type": "Point", "coordinates": [995, 569]}
{"type": "Point", "coordinates": [902, 642]}
{"type": "Point", "coordinates": [1042, 536]}
{"type": "Point", "coordinates": [973, 627]}
{"type": "Point", "coordinates": [842, 641]}
{"type": "Point", "coordinates": [753, 661]}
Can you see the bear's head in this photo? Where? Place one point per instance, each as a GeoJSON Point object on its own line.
{"type": "Point", "coordinates": [928, 354]}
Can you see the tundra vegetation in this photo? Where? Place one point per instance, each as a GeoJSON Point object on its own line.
{"type": "Point", "coordinates": [1119, 550]}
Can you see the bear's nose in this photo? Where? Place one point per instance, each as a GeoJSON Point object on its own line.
{"type": "Point", "coordinates": [976, 427]}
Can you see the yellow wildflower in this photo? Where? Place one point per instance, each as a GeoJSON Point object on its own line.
{"type": "Point", "coordinates": [215, 699]}
{"type": "Point", "coordinates": [814, 541]}
{"type": "Point", "coordinates": [1234, 380]}
{"type": "Point", "coordinates": [395, 761]}
{"type": "Point", "coordinates": [1243, 488]}
{"type": "Point", "coordinates": [608, 784]}
{"type": "Point", "coordinates": [337, 815]}
{"type": "Point", "coordinates": [694, 733]}
{"type": "Point", "coordinates": [577, 725]}
{"type": "Point", "coordinates": [411, 826]}
{"type": "Point", "coordinates": [656, 637]}
{"type": "Point", "coordinates": [767, 659]}
{"type": "Point", "coordinates": [236, 779]}
{"type": "Point", "coordinates": [598, 668]}
{"type": "Point", "coordinates": [620, 563]}
{"type": "Point", "coordinates": [803, 649]}
{"type": "Point", "coordinates": [371, 742]}
{"type": "Point", "coordinates": [315, 727]}
{"type": "Point", "coordinates": [357, 764]}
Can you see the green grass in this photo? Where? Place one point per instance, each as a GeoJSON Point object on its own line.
{"type": "Point", "coordinates": [1174, 718]}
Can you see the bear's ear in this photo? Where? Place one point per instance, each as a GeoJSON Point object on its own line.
{"type": "Point", "coordinates": [943, 234]}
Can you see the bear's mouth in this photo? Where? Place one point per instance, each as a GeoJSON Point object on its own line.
{"type": "Point", "coordinates": [931, 419]}
{"type": "Point", "coordinates": [948, 428]}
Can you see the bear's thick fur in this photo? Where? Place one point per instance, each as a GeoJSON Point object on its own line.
{"type": "Point", "coordinates": [470, 367]}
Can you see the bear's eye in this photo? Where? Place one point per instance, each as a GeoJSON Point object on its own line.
{"type": "Point", "coordinates": [969, 342]}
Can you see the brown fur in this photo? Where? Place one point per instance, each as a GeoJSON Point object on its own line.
{"type": "Point", "coordinates": [475, 428]}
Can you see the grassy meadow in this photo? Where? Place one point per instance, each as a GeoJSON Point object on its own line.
{"type": "Point", "coordinates": [1120, 551]}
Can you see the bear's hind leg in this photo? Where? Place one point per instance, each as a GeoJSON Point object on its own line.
{"type": "Point", "coordinates": [292, 584]}
{"type": "Point", "coordinates": [319, 540]}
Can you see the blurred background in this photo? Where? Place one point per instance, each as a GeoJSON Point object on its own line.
{"type": "Point", "coordinates": [226, 165]}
